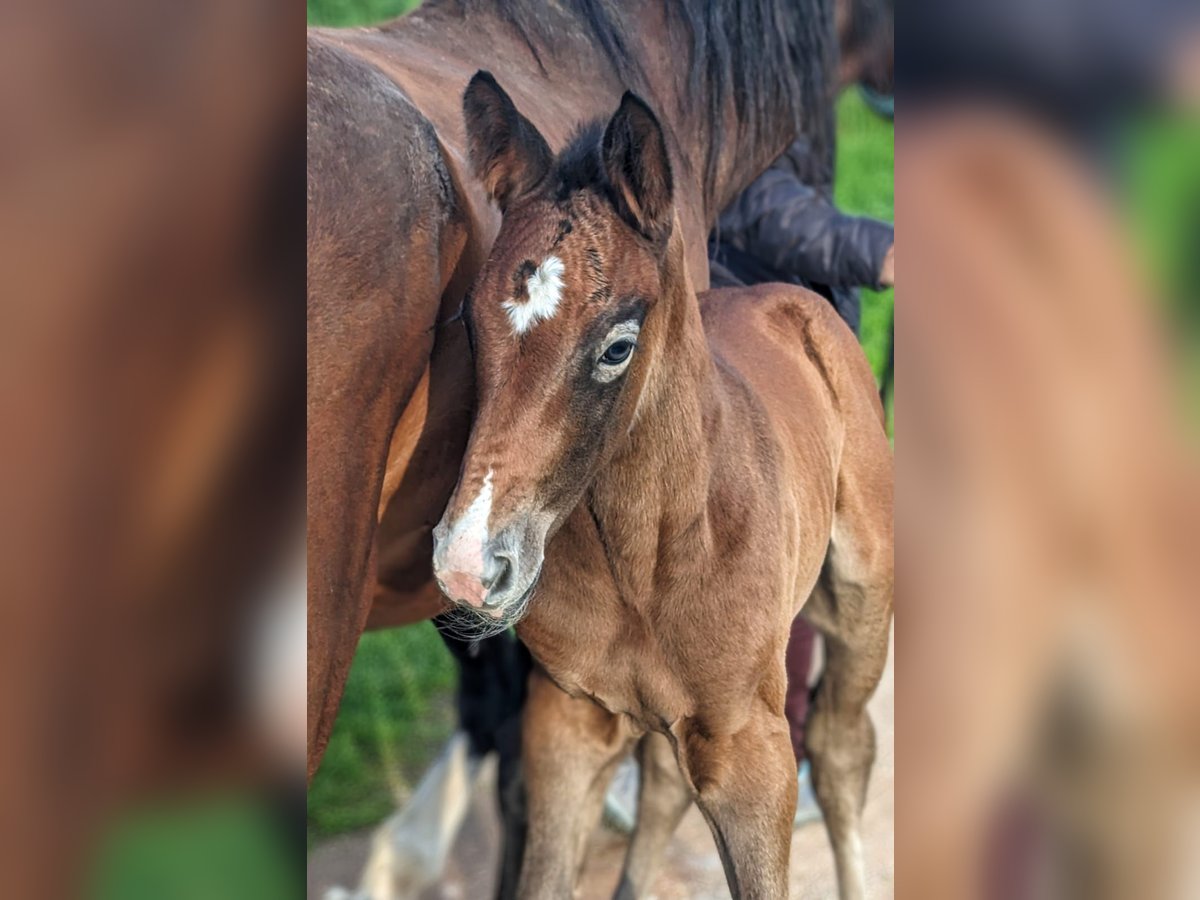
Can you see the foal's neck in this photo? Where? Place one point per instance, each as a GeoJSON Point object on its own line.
{"type": "Point", "coordinates": [650, 502]}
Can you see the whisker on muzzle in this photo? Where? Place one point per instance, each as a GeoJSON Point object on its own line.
{"type": "Point", "coordinates": [468, 623]}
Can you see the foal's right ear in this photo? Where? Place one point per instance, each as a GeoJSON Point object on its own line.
{"type": "Point", "coordinates": [509, 155]}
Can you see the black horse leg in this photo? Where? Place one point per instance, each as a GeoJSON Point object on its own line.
{"type": "Point", "coordinates": [511, 787]}
{"type": "Point", "coordinates": [493, 675]}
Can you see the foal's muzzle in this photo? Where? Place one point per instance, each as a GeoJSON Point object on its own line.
{"type": "Point", "coordinates": [492, 574]}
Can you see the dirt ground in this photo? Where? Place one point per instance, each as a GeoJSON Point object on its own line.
{"type": "Point", "coordinates": [691, 870]}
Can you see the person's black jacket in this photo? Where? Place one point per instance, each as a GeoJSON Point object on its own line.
{"type": "Point", "coordinates": [781, 228]}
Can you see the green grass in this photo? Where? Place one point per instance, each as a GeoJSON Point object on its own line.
{"type": "Point", "coordinates": [1162, 198]}
{"type": "Point", "coordinates": [864, 185]}
{"type": "Point", "coordinates": [397, 706]}
{"type": "Point", "coordinates": [342, 13]}
{"type": "Point", "coordinates": [396, 712]}
{"type": "Point", "coordinates": [227, 847]}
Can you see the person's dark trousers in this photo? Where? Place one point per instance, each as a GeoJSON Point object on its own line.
{"type": "Point", "coordinates": [799, 664]}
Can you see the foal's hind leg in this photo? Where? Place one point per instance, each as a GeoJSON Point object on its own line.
{"type": "Point", "coordinates": [570, 748]}
{"type": "Point", "coordinates": [852, 607]}
{"type": "Point", "coordinates": [841, 745]}
{"type": "Point", "coordinates": [663, 798]}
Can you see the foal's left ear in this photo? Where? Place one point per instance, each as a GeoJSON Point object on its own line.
{"type": "Point", "coordinates": [508, 153]}
{"type": "Point", "coordinates": [638, 168]}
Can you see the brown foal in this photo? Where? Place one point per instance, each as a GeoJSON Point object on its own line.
{"type": "Point", "coordinates": [655, 484]}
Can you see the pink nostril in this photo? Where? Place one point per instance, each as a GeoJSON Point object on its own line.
{"type": "Point", "coordinates": [465, 588]}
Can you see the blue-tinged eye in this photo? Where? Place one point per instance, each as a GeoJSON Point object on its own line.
{"type": "Point", "coordinates": [617, 353]}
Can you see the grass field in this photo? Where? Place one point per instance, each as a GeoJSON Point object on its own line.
{"type": "Point", "coordinates": [397, 706]}
{"type": "Point", "coordinates": [397, 709]}
{"type": "Point", "coordinates": [341, 13]}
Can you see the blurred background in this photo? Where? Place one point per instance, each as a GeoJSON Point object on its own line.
{"type": "Point", "coordinates": [1047, 489]}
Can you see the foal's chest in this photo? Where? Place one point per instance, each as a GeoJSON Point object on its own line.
{"type": "Point", "coordinates": [625, 671]}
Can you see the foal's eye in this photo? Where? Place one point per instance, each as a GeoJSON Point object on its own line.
{"type": "Point", "coordinates": [619, 344]}
{"type": "Point", "coordinates": [617, 353]}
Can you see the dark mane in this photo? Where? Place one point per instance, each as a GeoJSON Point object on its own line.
{"type": "Point", "coordinates": [779, 53]}
{"type": "Point", "coordinates": [578, 166]}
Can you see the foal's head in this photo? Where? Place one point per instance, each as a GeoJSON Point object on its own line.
{"type": "Point", "coordinates": [565, 324]}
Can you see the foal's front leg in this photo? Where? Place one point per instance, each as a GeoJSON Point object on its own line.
{"type": "Point", "coordinates": [663, 798]}
{"type": "Point", "coordinates": [746, 787]}
{"type": "Point", "coordinates": [570, 748]}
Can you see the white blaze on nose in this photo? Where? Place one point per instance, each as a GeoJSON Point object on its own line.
{"type": "Point", "coordinates": [544, 289]}
{"type": "Point", "coordinates": [460, 564]}
{"type": "Point", "coordinates": [470, 532]}
{"type": "Point", "coordinates": [461, 570]}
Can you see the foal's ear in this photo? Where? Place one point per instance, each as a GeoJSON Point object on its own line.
{"type": "Point", "coordinates": [638, 168]}
{"type": "Point", "coordinates": [509, 155]}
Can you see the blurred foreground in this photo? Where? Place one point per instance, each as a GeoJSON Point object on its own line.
{"type": "Point", "coordinates": [152, 410]}
{"type": "Point", "coordinates": [1047, 489]}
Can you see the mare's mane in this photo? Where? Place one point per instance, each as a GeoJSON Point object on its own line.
{"type": "Point", "coordinates": [772, 58]}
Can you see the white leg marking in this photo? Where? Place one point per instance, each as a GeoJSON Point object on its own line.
{"type": "Point", "coordinates": [410, 849]}
{"type": "Point", "coordinates": [856, 864]}
{"type": "Point", "coordinates": [545, 290]}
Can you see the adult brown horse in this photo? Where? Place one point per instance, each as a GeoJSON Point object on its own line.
{"type": "Point", "coordinates": [398, 227]}
{"type": "Point", "coordinates": [654, 487]}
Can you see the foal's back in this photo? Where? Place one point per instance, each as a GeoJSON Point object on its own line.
{"type": "Point", "coordinates": [806, 370]}
{"type": "Point", "coordinates": [801, 360]}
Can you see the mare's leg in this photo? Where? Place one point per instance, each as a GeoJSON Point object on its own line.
{"type": "Point", "coordinates": [745, 784]}
{"type": "Point", "coordinates": [663, 798]}
{"type": "Point", "coordinates": [570, 748]}
{"type": "Point", "coordinates": [852, 607]}
{"type": "Point", "coordinates": [375, 170]}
